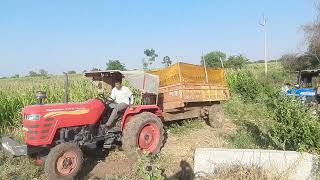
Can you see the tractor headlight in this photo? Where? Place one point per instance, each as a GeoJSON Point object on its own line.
{"type": "Point", "coordinates": [32, 117]}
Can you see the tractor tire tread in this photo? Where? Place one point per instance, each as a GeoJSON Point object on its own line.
{"type": "Point", "coordinates": [216, 116]}
{"type": "Point", "coordinates": [50, 163]}
{"type": "Point", "coordinates": [132, 129]}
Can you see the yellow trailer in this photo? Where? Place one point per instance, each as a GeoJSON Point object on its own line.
{"type": "Point", "coordinates": [188, 91]}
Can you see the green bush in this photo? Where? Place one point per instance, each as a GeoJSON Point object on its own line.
{"type": "Point", "coordinates": [272, 120]}
{"type": "Point", "coordinates": [148, 168]}
{"type": "Point", "coordinates": [244, 83]}
{"type": "Point", "coordinates": [294, 128]}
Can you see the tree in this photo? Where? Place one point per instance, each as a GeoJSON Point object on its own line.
{"type": "Point", "coordinates": [33, 74]}
{"type": "Point", "coordinates": [15, 76]}
{"type": "Point", "coordinates": [296, 62]}
{"type": "Point", "coordinates": [236, 62]}
{"type": "Point", "coordinates": [115, 65]}
{"type": "Point", "coordinates": [43, 72]}
{"type": "Point", "coordinates": [72, 72]}
{"type": "Point", "coordinates": [151, 58]}
{"type": "Point", "coordinates": [312, 34]}
{"type": "Point", "coordinates": [95, 69]}
{"type": "Point", "coordinates": [213, 59]}
{"type": "Point", "coordinates": [145, 65]}
{"type": "Point", "coordinates": [166, 61]}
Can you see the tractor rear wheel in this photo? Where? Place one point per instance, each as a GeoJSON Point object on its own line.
{"type": "Point", "coordinates": [144, 132]}
{"type": "Point", "coordinates": [216, 116]}
{"type": "Point", "coordinates": [64, 161]}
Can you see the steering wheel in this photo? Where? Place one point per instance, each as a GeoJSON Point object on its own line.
{"type": "Point", "coordinates": [106, 99]}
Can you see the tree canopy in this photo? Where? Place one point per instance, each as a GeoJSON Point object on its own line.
{"type": "Point", "coordinates": [166, 61]}
{"type": "Point", "coordinates": [151, 58]}
{"type": "Point", "coordinates": [72, 72]}
{"type": "Point", "coordinates": [95, 69]}
{"type": "Point", "coordinates": [312, 34]}
{"type": "Point", "coordinates": [297, 62]}
{"type": "Point", "coordinates": [115, 65]}
{"type": "Point", "coordinates": [41, 72]}
{"type": "Point", "coordinates": [214, 58]}
{"type": "Point", "coordinates": [236, 61]}
{"type": "Point", "coordinates": [308, 60]}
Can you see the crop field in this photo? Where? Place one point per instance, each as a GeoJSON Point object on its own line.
{"type": "Point", "coordinates": [279, 122]}
{"type": "Point", "coordinates": [15, 93]}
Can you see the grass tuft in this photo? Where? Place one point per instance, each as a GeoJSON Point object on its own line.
{"type": "Point", "coordinates": [185, 126]}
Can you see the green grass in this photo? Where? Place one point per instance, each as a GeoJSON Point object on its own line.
{"type": "Point", "coordinates": [250, 118]}
{"type": "Point", "coordinates": [185, 126]}
{"type": "Point", "coordinates": [242, 140]}
{"type": "Point", "coordinates": [18, 168]}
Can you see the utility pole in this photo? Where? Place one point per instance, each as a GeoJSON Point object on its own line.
{"type": "Point", "coordinates": [263, 24]}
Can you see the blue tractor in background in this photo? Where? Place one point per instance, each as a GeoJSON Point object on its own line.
{"type": "Point", "coordinates": [307, 87]}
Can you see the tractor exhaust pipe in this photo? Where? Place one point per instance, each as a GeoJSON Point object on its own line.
{"type": "Point", "coordinates": [66, 88]}
{"type": "Point", "coordinates": [40, 95]}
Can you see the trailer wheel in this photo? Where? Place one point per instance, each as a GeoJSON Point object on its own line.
{"type": "Point", "coordinates": [144, 132]}
{"type": "Point", "coordinates": [64, 161]}
{"type": "Point", "coordinates": [216, 116]}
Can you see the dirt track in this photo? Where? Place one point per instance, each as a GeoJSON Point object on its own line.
{"type": "Point", "coordinates": [176, 155]}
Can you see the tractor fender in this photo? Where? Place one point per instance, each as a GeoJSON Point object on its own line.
{"type": "Point", "coordinates": [131, 111]}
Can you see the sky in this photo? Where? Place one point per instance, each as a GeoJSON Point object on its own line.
{"type": "Point", "coordinates": [79, 34]}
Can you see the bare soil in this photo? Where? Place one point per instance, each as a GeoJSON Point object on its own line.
{"type": "Point", "coordinates": [176, 157]}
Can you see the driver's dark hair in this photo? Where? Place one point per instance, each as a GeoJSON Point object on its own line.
{"type": "Point", "coordinates": [118, 81]}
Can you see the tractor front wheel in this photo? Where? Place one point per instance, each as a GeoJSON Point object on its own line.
{"type": "Point", "coordinates": [64, 161]}
{"type": "Point", "coordinates": [144, 132]}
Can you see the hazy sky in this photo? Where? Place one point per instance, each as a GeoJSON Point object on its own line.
{"type": "Point", "coordinates": [77, 35]}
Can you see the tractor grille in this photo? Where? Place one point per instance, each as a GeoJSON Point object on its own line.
{"type": "Point", "coordinates": [39, 132]}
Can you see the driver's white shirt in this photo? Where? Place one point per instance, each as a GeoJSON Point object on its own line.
{"type": "Point", "coordinates": [124, 95]}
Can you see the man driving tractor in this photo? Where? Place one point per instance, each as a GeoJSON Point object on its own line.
{"type": "Point", "coordinates": [122, 97]}
{"type": "Point", "coordinates": [55, 134]}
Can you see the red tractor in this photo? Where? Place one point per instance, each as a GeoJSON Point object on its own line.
{"type": "Point", "coordinates": [56, 134]}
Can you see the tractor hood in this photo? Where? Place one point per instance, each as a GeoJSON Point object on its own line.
{"type": "Point", "coordinates": [40, 122]}
{"type": "Point", "coordinates": [49, 108]}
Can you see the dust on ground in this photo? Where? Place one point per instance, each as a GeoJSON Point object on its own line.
{"type": "Point", "coordinates": [176, 157]}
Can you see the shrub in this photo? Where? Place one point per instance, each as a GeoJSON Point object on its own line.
{"type": "Point", "coordinates": [148, 169]}
{"type": "Point", "coordinates": [245, 84]}
{"type": "Point", "coordinates": [294, 127]}
{"type": "Point", "coordinates": [236, 61]}
{"type": "Point", "coordinates": [272, 120]}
